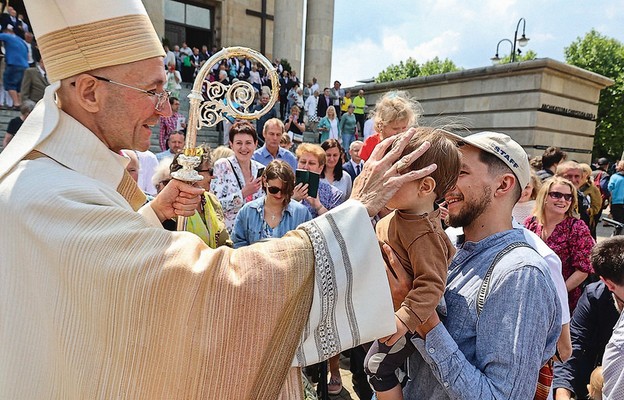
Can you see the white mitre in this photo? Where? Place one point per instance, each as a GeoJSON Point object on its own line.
{"type": "Point", "coordinates": [76, 36]}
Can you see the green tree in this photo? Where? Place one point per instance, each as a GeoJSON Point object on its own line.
{"type": "Point", "coordinates": [411, 68]}
{"type": "Point", "coordinates": [604, 56]}
{"type": "Point", "coordinates": [528, 56]}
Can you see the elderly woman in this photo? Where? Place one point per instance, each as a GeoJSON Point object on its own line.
{"type": "Point", "coordinates": [394, 113]}
{"type": "Point", "coordinates": [329, 125]}
{"type": "Point", "coordinates": [237, 178]}
{"type": "Point", "coordinates": [333, 172]}
{"type": "Point", "coordinates": [311, 157]}
{"type": "Point", "coordinates": [273, 215]}
{"type": "Point", "coordinates": [555, 221]}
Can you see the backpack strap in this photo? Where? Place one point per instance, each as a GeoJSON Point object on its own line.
{"type": "Point", "coordinates": [485, 285]}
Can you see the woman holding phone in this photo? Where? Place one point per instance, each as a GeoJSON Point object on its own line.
{"type": "Point", "coordinates": [273, 215]}
{"type": "Point", "coordinates": [236, 180]}
{"type": "Point", "coordinates": [311, 157]}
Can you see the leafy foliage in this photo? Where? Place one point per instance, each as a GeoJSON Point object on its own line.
{"type": "Point", "coordinates": [528, 56]}
{"type": "Point", "coordinates": [604, 56]}
{"type": "Point", "coordinates": [286, 64]}
{"type": "Point", "coordinates": [411, 68]}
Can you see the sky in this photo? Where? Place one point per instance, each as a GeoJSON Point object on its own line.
{"type": "Point", "coordinates": [369, 35]}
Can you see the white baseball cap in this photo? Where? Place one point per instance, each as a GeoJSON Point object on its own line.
{"type": "Point", "coordinates": [506, 149]}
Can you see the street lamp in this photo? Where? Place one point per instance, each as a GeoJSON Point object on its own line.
{"type": "Point", "coordinates": [521, 42]}
{"type": "Point", "coordinates": [496, 59]}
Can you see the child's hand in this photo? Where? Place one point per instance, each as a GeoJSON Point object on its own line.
{"type": "Point", "coordinates": [443, 210]}
{"type": "Point", "coordinates": [401, 331]}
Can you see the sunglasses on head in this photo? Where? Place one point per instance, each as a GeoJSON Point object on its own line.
{"type": "Point", "coordinates": [558, 195]}
{"type": "Point", "coordinates": [273, 189]}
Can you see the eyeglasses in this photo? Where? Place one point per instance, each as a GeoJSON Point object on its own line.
{"type": "Point", "coordinates": [209, 170]}
{"type": "Point", "coordinates": [274, 189]}
{"type": "Point", "coordinates": [558, 195]}
{"type": "Point", "coordinates": [161, 98]}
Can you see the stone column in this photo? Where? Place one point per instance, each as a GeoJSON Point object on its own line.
{"type": "Point", "coordinates": [318, 46]}
{"type": "Point", "coordinates": [288, 32]}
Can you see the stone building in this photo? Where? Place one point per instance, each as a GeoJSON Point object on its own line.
{"type": "Point", "coordinates": [539, 103]}
{"type": "Point", "coordinates": [273, 27]}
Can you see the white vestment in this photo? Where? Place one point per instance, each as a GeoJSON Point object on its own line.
{"type": "Point", "coordinates": [100, 302]}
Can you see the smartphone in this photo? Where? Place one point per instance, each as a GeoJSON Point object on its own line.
{"type": "Point", "coordinates": [260, 172]}
{"type": "Point", "coordinates": [311, 178]}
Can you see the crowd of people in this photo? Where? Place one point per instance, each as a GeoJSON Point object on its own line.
{"type": "Point", "coordinates": [493, 285]}
{"type": "Point", "coordinates": [21, 66]}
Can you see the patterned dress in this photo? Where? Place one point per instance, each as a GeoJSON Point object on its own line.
{"type": "Point", "coordinates": [572, 242]}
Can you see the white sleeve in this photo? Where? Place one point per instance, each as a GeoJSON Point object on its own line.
{"type": "Point", "coordinates": [352, 302]}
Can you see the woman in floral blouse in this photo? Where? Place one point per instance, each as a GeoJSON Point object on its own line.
{"type": "Point", "coordinates": [554, 221]}
{"type": "Point", "coordinates": [236, 179]}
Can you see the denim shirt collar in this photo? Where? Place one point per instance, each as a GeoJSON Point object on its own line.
{"type": "Point", "coordinates": [259, 206]}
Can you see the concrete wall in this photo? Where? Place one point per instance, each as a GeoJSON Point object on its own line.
{"type": "Point", "coordinates": [155, 10]}
{"type": "Point", "coordinates": [288, 32]}
{"type": "Point", "coordinates": [517, 99]}
{"type": "Point", "coordinates": [319, 37]}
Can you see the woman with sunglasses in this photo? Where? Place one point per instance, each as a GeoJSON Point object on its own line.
{"type": "Point", "coordinates": [556, 222]}
{"type": "Point", "coordinates": [208, 222]}
{"type": "Point", "coordinates": [273, 215]}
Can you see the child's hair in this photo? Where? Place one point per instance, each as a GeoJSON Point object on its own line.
{"type": "Point", "coordinates": [221, 152]}
{"type": "Point", "coordinates": [285, 140]}
{"type": "Point", "coordinates": [596, 381]}
{"type": "Point", "coordinates": [443, 152]}
{"type": "Point", "coordinates": [395, 106]}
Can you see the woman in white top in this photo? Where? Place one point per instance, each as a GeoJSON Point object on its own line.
{"type": "Point", "coordinates": [333, 172]}
{"type": "Point", "coordinates": [329, 125]}
{"type": "Point", "coordinates": [254, 78]}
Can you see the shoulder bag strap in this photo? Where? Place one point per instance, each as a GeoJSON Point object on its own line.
{"type": "Point", "coordinates": [485, 285]}
{"type": "Point", "coordinates": [236, 175]}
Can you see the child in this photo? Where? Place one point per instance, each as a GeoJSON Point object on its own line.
{"type": "Point", "coordinates": [414, 232]}
{"type": "Point", "coordinates": [285, 142]}
{"type": "Point", "coordinates": [596, 382]}
{"type": "Point", "coordinates": [394, 113]}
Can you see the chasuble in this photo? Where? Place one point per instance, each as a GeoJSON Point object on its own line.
{"type": "Point", "coordinates": [99, 302]}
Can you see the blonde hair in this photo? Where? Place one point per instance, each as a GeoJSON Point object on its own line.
{"type": "Point", "coordinates": [285, 140]}
{"type": "Point", "coordinates": [596, 382]}
{"type": "Point", "coordinates": [313, 149]}
{"type": "Point", "coordinates": [221, 152]}
{"type": "Point", "coordinates": [565, 166]}
{"type": "Point", "coordinates": [586, 171]}
{"type": "Point", "coordinates": [395, 106]}
{"type": "Point", "coordinates": [540, 200]}
{"type": "Point", "coordinates": [537, 184]}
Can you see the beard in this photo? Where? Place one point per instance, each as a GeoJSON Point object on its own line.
{"type": "Point", "coordinates": [471, 210]}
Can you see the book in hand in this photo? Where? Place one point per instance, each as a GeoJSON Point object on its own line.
{"type": "Point", "coordinates": [311, 178]}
